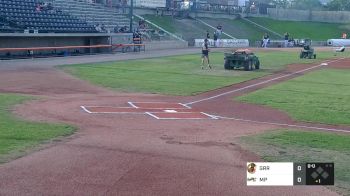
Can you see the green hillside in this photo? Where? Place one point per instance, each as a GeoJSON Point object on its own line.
{"type": "Point", "coordinates": [188, 29]}
{"type": "Point", "coordinates": [239, 28]}
{"type": "Point", "coordinates": [318, 31]}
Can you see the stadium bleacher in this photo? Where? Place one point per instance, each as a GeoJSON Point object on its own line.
{"type": "Point", "coordinates": [94, 13]}
{"type": "Point", "coordinates": [21, 15]}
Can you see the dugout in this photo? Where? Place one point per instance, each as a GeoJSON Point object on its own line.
{"type": "Point", "coordinates": [58, 44]}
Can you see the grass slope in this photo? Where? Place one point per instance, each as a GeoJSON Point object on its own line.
{"type": "Point", "coordinates": [17, 136]}
{"type": "Point", "coordinates": [322, 96]}
{"type": "Point", "coordinates": [188, 29]}
{"type": "Point", "coordinates": [166, 22]}
{"type": "Point", "coordinates": [305, 146]}
{"type": "Point", "coordinates": [239, 28]}
{"type": "Point", "coordinates": [318, 31]}
{"type": "Point", "coordinates": [177, 75]}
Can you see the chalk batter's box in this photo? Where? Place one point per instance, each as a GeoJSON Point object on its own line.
{"type": "Point", "coordinates": [289, 174]}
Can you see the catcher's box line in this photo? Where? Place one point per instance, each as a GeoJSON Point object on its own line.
{"type": "Point", "coordinates": [153, 114]}
{"type": "Point", "coordinates": [263, 82]}
{"type": "Point", "coordinates": [284, 124]}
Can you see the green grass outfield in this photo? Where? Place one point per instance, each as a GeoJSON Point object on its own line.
{"type": "Point", "coordinates": [18, 136]}
{"type": "Point", "coordinates": [305, 146]}
{"type": "Point", "coordinates": [179, 75]}
{"type": "Point", "coordinates": [318, 31]}
{"type": "Point", "coordinates": [322, 96]}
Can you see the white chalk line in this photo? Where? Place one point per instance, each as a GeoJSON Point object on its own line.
{"type": "Point", "coordinates": [184, 106]}
{"type": "Point", "coordinates": [215, 117]}
{"type": "Point", "coordinates": [260, 83]}
{"type": "Point", "coordinates": [90, 112]}
{"type": "Point", "coordinates": [117, 113]}
{"type": "Point", "coordinates": [211, 116]}
{"type": "Point", "coordinates": [114, 107]}
{"type": "Point", "coordinates": [132, 104]}
{"type": "Point", "coordinates": [153, 114]}
{"type": "Point", "coordinates": [86, 110]}
{"type": "Point", "coordinates": [284, 124]}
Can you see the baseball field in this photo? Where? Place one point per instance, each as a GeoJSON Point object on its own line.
{"type": "Point", "coordinates": [157, 124]}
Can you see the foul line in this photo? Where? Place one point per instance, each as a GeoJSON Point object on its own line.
{"type": "Point", "coordinates": [284, 124]}
{"type": "Point", "coordinates": [260, 83]}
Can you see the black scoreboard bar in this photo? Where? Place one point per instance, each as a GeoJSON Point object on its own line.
{"type": "Point", "coordinates": [313, 173]}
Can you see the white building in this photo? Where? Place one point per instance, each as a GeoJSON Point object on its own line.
{"type": "Point", "coordinates": [150, 3]}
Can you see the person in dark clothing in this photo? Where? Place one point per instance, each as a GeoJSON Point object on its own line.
{"type": "Point", "coordinates": [205, 53]}
{"type": "Point", "coordinates": [215, 39]}
{"type": "Point", "coordinates": [286, 39]}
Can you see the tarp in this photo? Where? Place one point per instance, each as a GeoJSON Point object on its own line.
{"type": "Point", "coordinates": [224, 43]}
{"type": "Point", "coordinates": [338, 42]}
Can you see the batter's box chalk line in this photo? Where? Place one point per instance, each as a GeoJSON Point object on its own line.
{"type": "Point", "coordinates": [110, 110]}
{"type": "Point", "coordinates": [158, 105]}
{"type": "Point", "coordinates": [157, 110]}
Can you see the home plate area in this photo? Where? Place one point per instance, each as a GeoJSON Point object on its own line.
{"type": "Point", "coordinates": [158, 110]}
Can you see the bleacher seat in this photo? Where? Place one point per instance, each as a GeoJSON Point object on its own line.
{"type": "Point", "coordinates": [18, 15]}
{"type": "Point", "coordinates": [94, 13]}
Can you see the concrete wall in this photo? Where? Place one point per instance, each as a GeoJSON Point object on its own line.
{"type": "Point", "coordinates": [162, 45]}
{"type": "Point", "coordinates": [306, 15]}
{"type": "Point", "coordinates": [213, 15]}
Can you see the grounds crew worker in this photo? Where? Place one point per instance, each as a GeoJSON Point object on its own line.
{"type": "Point", "coordinates": [205, 53]}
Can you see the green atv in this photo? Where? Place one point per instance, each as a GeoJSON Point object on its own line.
{"type": "Point", "coordinates": [242, 58]}
{"type": "Point", "coordinates": [307, 51]}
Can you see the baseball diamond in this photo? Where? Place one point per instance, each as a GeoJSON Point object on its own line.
{"type": "Point", "coordinates": [174, 98]}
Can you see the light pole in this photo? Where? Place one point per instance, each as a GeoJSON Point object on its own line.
{"type": "Point", "coordinates": [131, 13]}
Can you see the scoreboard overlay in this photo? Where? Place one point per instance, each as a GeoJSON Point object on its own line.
{"type": "Point", "coordinates": [289, 174]}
